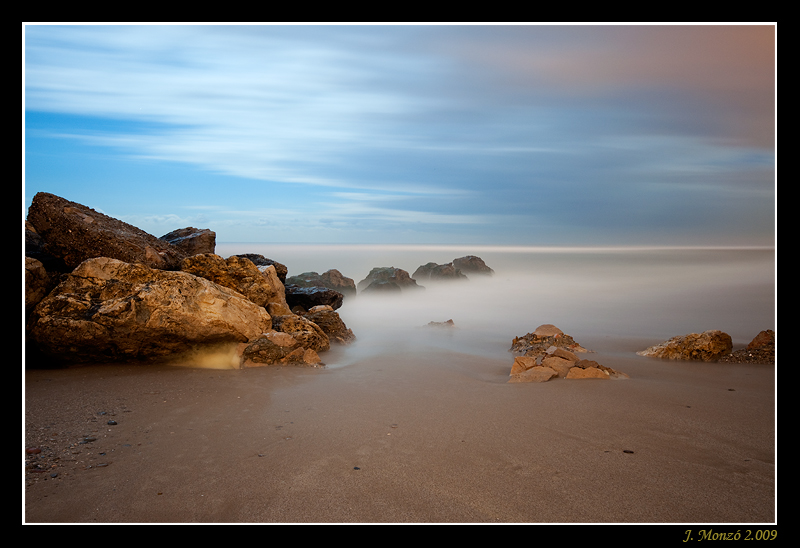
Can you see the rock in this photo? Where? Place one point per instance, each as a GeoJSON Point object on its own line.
{"type": "Point", "coordinates": [331, 324]}
{"type": "Point", "coordinates": [304, 331]}
{"type": "Point", "coordinates": [449, 324]}
{"type": "Point", "coordinates": [192, 241]}
{"type": "Point", "coordinates": [387, 279]}
{"type": "Point", "coordinates": [309, 297]}
{"type": "Point", "coordinates": [38, 283]}
{"type": "Point", "coordinates": [239, 274]}
{"type": "Point", "coordinates": [34, 248]}
{"type": "Point", "coordinates": [706, 346]}
{"type": "Point", "coordinates": [760, 350]}
{"type": "Point", "coordinates": [541, 339]}
{"type": "Point", "coordinates": [765, 339]}
{"type": "Point", "coordinates": [332, 279]}
{"type": "Point", "coordinates": [472, 265]}
{"type": "Point", "coordinates": [110, 310]}
{"type": "Point", "coordinates": [536, 373]}
{"type": "Point", "coordinates": [261, 261]}
{"type": "Point", "coordinates": [277, 348]}
{"type": "Point", "coordinates": [557, 362]}
{"type": "Point", "coordinates": [587, 373]}
{"type": "Point", "coordinates": [73, 233]}
{"type": "Point", "coordinates": [433, 271]}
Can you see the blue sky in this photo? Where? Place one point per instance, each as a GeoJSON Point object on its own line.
{"type": "Point", "coordinates": [454, 134]}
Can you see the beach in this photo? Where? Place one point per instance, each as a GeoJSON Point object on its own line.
{"type": "Point", "coordinates": [418, 437]}
{"type": "Point", "coordinates": [419, 425]}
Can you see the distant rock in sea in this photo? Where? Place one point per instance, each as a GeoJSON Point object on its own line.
{"type": "Point", "coordinates": [331, 279]}
{"type": "Point", "coordinates": [472, 265]}
{"type": "Point", "coordinates": [387, 279]}
{"type": "Point", "coordinates": [433, 271]}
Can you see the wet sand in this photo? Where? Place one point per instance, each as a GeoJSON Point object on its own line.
{"type": "Point", "coordinates": [412, 436]}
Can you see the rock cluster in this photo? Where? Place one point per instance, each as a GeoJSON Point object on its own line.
{"type": "Point", "coordinates": [707, 346]}
{"type": "Point", "coordinates": [98, 289]}
{"type": "Point", "coordinates": [549, 353]}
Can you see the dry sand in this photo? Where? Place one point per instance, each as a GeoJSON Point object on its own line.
{"type": "Point", "coordinates": [414, 436]}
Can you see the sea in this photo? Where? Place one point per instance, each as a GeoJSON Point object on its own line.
{"type": "Point", "coordinates": [616, 298]}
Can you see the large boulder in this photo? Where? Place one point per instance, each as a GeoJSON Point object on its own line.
{"type": "Point", "coordinates": [433, 271]}
{"type": "Point", "coordinates": [387, 279]}
{"type": "Point", "coordinates": [262, 262]}
{"type": "Point", "coordinates": [472, 265]}
{"type": "Point", "coordinates": [192, 241]}
{"type": "Point", "coordinates": [38, 283]}
{"type": "Point", "coordinates": [260, 286]}
{"type": "Point", "coordinates": [707, 346]}
{"type": "Point", "coordinates": [73, 233]}
{"type": "Point", "coordinates": [110, 310]}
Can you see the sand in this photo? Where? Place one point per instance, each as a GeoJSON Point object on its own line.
{"type": "Point", "coordinates": [410, 436]}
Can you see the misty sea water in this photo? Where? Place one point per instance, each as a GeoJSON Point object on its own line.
{"type": "Point", "coordinates": [647, 294]}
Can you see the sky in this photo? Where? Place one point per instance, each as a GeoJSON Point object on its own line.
{"type": "Point", "coordinates": [416, 133]}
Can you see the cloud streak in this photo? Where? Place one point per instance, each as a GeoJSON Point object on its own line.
{"type": "Point", "coordinates": [425, 125]}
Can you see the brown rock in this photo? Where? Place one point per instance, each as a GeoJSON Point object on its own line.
{"type": "Point", "coordinates": [706, 346]}
{"type": "Point", "coordinates": [537, 373]}
{"type": "Point", "coordinates": [239, 274]}
{"type": "Point", "coordinates": [587, 373]}
{"type": "Point", "coordinates": [192, 241]}
{"type": "Point", "coordinates": [331, 323]}
{"type": "Point", "coordinates": [110, 310]}
{"type": "Point", "coordinates": [305, 332]}
{"type": "Point", "coordinates": [559, 365]}
{"type": "Point", "coordinates": [73, 233]}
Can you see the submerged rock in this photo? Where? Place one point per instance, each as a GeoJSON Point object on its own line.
{"type": "Point", "coordinates": [707, 346]}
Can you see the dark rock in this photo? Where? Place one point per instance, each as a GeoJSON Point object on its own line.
{"type": "Point", "coordinates": [331, 279]}
{"type": "Point", "coordinates": [309, 297]}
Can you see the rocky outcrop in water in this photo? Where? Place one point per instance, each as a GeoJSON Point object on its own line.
{"type": "Point", "coordinates": [707, 346]}
{"type": "Point", "coordinates": [442, 272]}
{"type": "Point", "coordinates": [548, 353]}
{"type": "Point", "coordinates": [387, 279]}
{"type": "Point", "coordinates": [472, 265]}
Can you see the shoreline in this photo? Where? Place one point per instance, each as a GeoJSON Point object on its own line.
{"type": "Point", "coordinates": [408, 436]}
